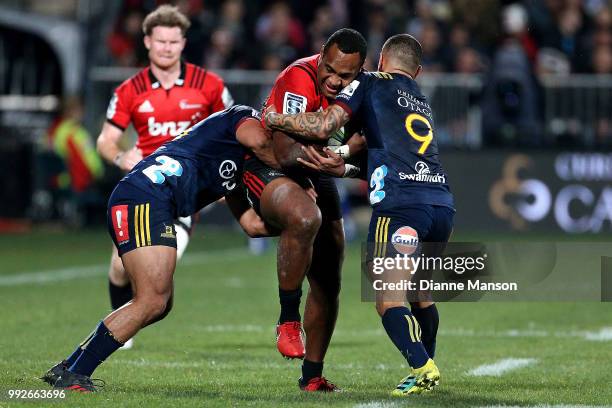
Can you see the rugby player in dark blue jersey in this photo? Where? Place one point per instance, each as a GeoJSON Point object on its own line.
{"type": "Point", "coordinates": [197, 168]}
{"type": "Point", "coordinates": [408, 187]}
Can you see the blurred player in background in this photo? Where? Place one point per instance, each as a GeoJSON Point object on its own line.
{"type": "Point", "coordinates": [194, 170]}
{"type": "Point", "coordinates": [161, 101]}
{"type": "Point", "coordinates": [409, 193]}
{"type": "Point", "coordinates": [312, 237]}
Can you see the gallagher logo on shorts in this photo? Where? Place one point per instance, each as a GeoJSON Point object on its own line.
{"type": "Point", "coordinates": [120, 225]}
{"type": "Point", "coordinates": [294, 104]}
{"type": "Point", "coordinates": [405, 240]}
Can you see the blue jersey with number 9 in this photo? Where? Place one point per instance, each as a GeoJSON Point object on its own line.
{"type": "Point", "coordinates": [403, 163]}
{"type": "Point", "coordinates": [199, 166]}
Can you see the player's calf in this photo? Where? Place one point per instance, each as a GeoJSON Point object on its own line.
{"type": "Point", "coordinates": [426, 314]}
{"type": "Point", "coordinates": [404, 331]}
{"type": "Point", "coordinates": [286, 205]}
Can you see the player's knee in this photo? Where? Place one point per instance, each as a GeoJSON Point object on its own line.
{"type": "Point", "coordinates": [325, 285]}
{"type": "Point", "coordinates": [157, 307]}
{"type": "Point", "coordinates": [305, 222]}
{"type": "Point", "coordinates": [337, 237]}
{"type": "Point", "coordinates": [382, 306]}
{"type": "Point", "coordinates": [167, 309]}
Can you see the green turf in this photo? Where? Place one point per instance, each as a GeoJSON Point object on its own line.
{"type": "Point", "coordinates": [217, 346]}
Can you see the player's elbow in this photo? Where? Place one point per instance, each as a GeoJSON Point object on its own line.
{"type": "Point", "coordinates": [101, 143]}
{"type": "Point", "coordinates": [253, 225]}
{"type": "Point", "coordinates": [252, 230]}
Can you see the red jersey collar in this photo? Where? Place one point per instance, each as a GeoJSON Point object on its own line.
{"type": "Point", "coordinates": [179, 81]}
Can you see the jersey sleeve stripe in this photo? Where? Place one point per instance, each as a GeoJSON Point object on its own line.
{"type": "Point", "coordinates": [191, 72]}
{"type": "Point", "coordinates": [311, 75]}
{"type": "Point", "coordinates": [204, 72]}
{"type": "Point", "coordinates": [136, 83]}
{"type": "Point", "coordinates": [196, 75]}
{"type": "Point", "coordinates": [115, 124]}
{"type": "Point", "coordinates": [139, 83]}
{"type": "Point", "coordinates": [143, 81]}
{"type": "Point", "coordinates": [308, 67]}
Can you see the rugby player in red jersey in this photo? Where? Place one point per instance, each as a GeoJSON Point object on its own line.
{"type": "Point", "coordinates": [161, 101]}
{"type": "Point", "coordinates": [312, 237]}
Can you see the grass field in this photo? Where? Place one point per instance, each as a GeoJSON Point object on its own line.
{"type": "Point", "coordinates": [217, 346]}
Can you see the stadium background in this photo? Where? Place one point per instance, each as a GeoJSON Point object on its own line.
{"type": "Point", "coordinates": [521, 93]}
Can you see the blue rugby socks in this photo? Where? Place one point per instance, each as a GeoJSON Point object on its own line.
{"type": "Point", "coordinates": [74, 356]}
{"type": "Point", "coordinates": [404, 331]}
{"type": "Point", "coordinates": [101, 345]}
{"type": "Point", "coordinates": [428, 319]}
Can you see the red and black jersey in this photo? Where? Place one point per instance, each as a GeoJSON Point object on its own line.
{"type": "Point", "coordinates": [159, 114]}
{"type": "Point", "coordinates": [296, 89]}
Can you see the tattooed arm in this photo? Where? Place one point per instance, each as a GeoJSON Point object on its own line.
{"type": "Point", "coordinates": [310, 125]}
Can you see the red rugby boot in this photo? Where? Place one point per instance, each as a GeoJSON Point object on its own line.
{"type": "Point", "coordinates": [289, 340]}
{"type": "Point", "coordinates": [318, 384]}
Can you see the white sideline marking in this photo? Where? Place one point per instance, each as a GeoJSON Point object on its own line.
{"type": "Point", "coordinates": [501, 367]}
{"type": "Point", "coordinates": [605, 334]}
{"type": "Point", "coordinates": [240, 328]}
{"type": "Point", "coordinates": [243, 365]}
{"type": "Point", "coordinates": [376, 404]}
{"type": "Point", "coordinates": [546, 406]}
{"type": "Point", "coordinates": [53, 275]}
{"type": "Point", "coordinates": [86, 271]}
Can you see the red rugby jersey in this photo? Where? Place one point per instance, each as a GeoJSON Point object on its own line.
{"type": "Point", "coordinates": [296, 89]}
{"type": "Point", "coordinates": [159, 114]}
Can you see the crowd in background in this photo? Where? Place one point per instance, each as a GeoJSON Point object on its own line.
{"type": "Point", "coordinates": [556, 36]}
{"type": "Point", "coordinates": [513, 45]}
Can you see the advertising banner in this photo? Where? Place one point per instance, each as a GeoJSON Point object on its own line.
{"type": "Point", "coordinates": [564, 192]}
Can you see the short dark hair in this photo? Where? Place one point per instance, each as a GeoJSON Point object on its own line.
{"type": "Point", "coordinates": [405, 49]}
{"type": "Point", "coordinates": [165, 16]}
{"type": "Point", "coordinates": [349, 41]}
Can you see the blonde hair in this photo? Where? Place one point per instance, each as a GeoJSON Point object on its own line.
{"type": "Point", "coordinates": [165, 16]}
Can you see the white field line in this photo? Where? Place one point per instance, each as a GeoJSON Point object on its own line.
{"type": "Point", "coordinates": [604, 334]}
{"type": "Point", "coordinates": [388, 404]}
{"type": "Point", "coordinates": [501, 367]}
{"type": "Point", "coordinates": [377, 404]}
{"type": "Point", "coordinates": [547, 406]}
{"type": "Point", "coordinates": [86, 271]}
{"type": "Point", "coordinates": [243, 365]}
